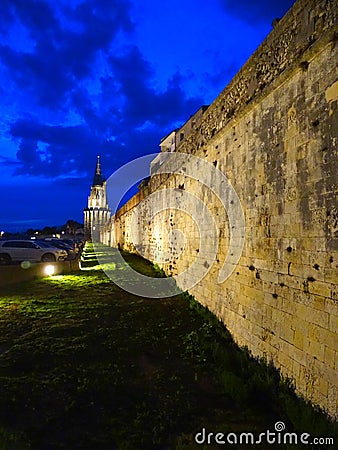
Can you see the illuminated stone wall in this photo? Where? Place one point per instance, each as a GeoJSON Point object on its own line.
{"type": "Point", "coordinates": [273, 132]}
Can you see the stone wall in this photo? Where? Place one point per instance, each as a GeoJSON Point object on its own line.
{"type": "Point", "coordinates": [273, 132]}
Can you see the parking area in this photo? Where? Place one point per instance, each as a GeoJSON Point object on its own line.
{"type": "Point", "coordinates": [27, 251]}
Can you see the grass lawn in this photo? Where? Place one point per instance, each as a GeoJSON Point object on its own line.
{"type": "Point", "coordinates": [85, 365]}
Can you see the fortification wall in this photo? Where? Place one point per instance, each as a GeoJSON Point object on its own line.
{"type": "Point", "coordinates": [272, 131]}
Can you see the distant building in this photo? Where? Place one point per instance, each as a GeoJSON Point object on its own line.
{"type": "Point", "coordinates": [191, 125]}
{"type": "Point", "coordinates": [171, 142]}
{"type": "Point", "coordinates": [168, 143]}
{"type": "Point", "coordinates": [73, 229]}
{"type": "Point", "coordinates": [97, 214]}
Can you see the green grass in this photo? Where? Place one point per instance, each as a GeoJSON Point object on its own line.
{"type": "Point", "coordinates": [85, 365]}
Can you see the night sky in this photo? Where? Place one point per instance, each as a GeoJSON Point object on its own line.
{"type": "Point", "coordinates": [81, 78]}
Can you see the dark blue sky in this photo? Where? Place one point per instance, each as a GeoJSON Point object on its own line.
{"type": "Point", "coordinates": [81, 78]}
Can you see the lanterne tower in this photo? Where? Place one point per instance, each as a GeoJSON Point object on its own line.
{"type": "Point", "coordinates": [97, 214]}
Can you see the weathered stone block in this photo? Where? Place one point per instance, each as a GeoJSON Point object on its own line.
{"type": "Point", "coordinates": [331, 357]}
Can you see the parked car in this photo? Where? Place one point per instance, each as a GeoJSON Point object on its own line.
{"type": "Point", "coordinates": [65, 242]}
{"type": "Point", "coordinates": [71, 254]}
{"type": "Point", "coordinates": [26, 250]}
{"type": "Point", "coordinates": [73, 243]}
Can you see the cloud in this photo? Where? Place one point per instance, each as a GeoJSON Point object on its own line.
{"type": "Point", "coordinates": [79, 92]}
{"type": "Point", "coordinates": [258, 10]}
{"type": "Point", "coordinates": [8, 161]}
{"type": "Point", "coordinates": [66, 42]}
{"type": "Point", "coordinates": [142, 103]}
{"type": "Point", "coordinates": [28, 153]}
{"type": "Point", "coordinates": [52, 151]}
{"type": "Point", "coordinates": [119, 129]}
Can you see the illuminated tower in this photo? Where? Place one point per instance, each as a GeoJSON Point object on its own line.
{"type": "Point", "coordinates": [97, 214]}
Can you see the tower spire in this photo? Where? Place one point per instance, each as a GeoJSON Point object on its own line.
{"type": "Point", "coordinates": [97, 214]}
{"type": "Point", "coordinates": [98, 180]}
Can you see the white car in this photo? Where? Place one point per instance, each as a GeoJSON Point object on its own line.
{"type": "Point", "coordinates": [25, 250]}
